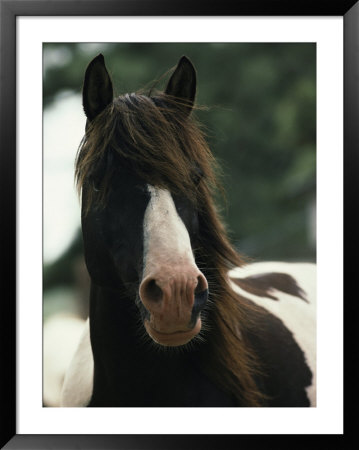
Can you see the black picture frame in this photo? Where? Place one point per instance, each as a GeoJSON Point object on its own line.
{"type": "Point", "coordinates": [9, 10]}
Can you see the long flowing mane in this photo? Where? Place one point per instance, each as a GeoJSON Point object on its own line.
{"type": "Point", "coordinates": [154, 138]}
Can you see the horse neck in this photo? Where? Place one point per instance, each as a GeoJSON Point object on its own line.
{"type": "Point", "coordinates": [131, 371]}
{"type": "Point", "coordinates": [120, 359]}
{"type": "Point", "coordinates": [113, 317]}
{"type": "Point", "coordinates": [113, 339]}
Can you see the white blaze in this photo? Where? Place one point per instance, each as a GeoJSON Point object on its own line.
{"type": "Point", "coordinates": [166, 239]}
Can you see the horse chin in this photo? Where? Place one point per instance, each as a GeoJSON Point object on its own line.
{"type": "Point", "coordinates": [173, 339]}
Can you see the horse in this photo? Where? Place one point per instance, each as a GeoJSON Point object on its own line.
{"type": "Point", "coordinates": [177, 317]}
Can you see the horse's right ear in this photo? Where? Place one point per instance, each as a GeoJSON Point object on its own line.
{"type": "Point", "coordinates": [97, 91]}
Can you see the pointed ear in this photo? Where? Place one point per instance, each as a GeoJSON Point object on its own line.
{"type": "Point", "coordinates": [182, 83]}
{"type": "Point", "coordinates": [97, 91]}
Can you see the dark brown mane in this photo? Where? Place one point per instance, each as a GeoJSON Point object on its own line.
{"type": "Point", "coordinates": [140, 131]}
{"type": "Point", "coordinates": [168, 149]}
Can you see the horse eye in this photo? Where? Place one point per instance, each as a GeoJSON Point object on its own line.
{"type": "Point", "coordinates": [95, 185]}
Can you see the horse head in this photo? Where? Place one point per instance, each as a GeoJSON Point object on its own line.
{"type": "Point", "coordinates": [139, 224]}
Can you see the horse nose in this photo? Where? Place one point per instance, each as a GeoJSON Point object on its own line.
{"type": "Point", "coordinates": [185, 292]}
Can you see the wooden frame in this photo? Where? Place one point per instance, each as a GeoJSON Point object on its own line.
{"type": "Point", "coordinates": [10, 9]}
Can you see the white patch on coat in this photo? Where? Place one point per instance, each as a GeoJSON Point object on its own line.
{"type": "Point", "coordinates": [297, 315]}
{"type": "Point", "coordinates": [166, 239]}
{"type": "Point", "coordinates": [78, 383]}
{"type": "Point", "coordinates": [60, 338]}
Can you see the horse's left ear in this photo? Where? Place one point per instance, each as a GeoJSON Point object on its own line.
{"type": "Point", "coordinates": [182, 83]}
{"type": "Point", "coordinates": [97, 92]}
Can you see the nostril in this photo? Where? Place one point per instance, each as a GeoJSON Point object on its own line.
{"type": "Point", "coordinates": [152, 292]}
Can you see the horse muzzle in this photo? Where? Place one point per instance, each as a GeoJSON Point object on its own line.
{"type": "Point", "coordinates": [174, 303]}
{"type": "Point", "coordinates": [174, 339]}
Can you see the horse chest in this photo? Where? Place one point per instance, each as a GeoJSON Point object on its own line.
{"type": "Point", "coordinates": [150, 379]}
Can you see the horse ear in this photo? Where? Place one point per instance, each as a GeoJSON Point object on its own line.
{"type": "Point", "coordinates": [97, 91]}
{"type": "Point", "coordinates": [182, 83]}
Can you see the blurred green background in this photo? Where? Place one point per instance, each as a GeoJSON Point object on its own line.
{"type": "Point", "coordinates": [261, 126]}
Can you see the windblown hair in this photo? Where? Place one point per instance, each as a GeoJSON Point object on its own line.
{"type": "Point", "coordinates": [151, 136]}
{"type": "Point", "coordinates": [155, 138]}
